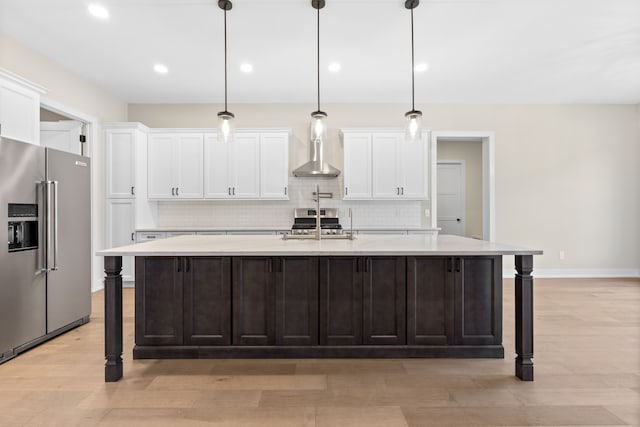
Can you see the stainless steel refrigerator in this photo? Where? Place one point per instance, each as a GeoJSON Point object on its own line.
{"type": "Point", "coordinates": [45, 266]}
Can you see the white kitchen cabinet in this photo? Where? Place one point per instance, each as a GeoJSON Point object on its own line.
{"type": "Point", "coordinates": [232, 170]}
{"type": "Point", "coordinates": [120, 231]}
{"type": "Point", "coordinates": [399, 167]}
{"type": "Point", "coordinates": [357, 166]}
{"type": "Point", "coordinates": [120, 158]}
{"type": "Point", "coordinates": [180, 233]}
{"type": "Point", "coordinates": [382, 165]}
{"type": "Point", "coordinates": [175, 166]}
{"type": "Point", "coordinates": [274, 165]}
{"type": "Point", "coordinates": [149, 236]}
{"type": "Point", "coordinates": [19, 108]}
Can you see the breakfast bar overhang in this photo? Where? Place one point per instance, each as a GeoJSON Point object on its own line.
{"type": "Point", "coordinates": [265, 297]}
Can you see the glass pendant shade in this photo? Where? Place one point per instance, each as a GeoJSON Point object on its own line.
{"type": "Point", "coordinates": [225, 126]}
{"type": "Point", "coordinates": [413, 127]}
{"type": "Point", "coordinates": [318, 129]}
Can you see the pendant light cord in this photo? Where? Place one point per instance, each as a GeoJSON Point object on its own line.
{"type": "Point", "coordinates": [413, 69]}
{"type": "Point", "coordinates": [225, 59]}
{"type": "Point", "coordinates": [318, 51]}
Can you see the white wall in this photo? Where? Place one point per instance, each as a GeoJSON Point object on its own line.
{"type": "Point", "coordinates": [66, 89]}
{"type": "Point", "coordinates": [567, 176]}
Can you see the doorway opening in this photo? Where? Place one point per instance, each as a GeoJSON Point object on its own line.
{"type": "Point", "coordinates": [474, 151]}
{"type": "Point", "coordinates": [61, 132]}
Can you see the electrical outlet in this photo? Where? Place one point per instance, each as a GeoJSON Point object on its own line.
{"type": "Point", "coordinates": [561, 255]}
{"type": "Point", "coordinates": [426, 212]}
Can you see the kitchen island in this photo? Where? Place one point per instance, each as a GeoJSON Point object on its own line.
{"type": "Point", "coordinates": [374, 296]}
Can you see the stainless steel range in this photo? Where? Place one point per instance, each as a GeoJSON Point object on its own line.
{"type": "Point", "coordinates": [304, 221]}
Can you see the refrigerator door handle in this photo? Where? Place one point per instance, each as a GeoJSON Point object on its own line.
{"type": "Point", "coordinates": [42, 191]}
{"type": "Point", "coordinates": [48, 229]}
{"type": "Point", "coordinates": [55, 225]}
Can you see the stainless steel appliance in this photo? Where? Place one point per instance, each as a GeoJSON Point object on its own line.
{"type": "Point", "coordinates": [304, 221]}
{"type": "Point", "coordinates": [45, 267]}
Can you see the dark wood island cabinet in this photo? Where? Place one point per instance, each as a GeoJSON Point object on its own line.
{"type": "Point", "coordinates": [301, 302]}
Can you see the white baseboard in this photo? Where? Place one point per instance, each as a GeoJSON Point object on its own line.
{"type": "Point", "coordinates": [578, 273]}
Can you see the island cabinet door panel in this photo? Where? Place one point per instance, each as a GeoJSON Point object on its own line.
{"type": "Point", "coordinates": [159, 300]}
{"type": "Point", "coordinates": [341, 300]}
{"type": "Point", "coordinates": [429, 300]}
{"type": "Point", "coordinates": [384, 294]}
{"type": "Point", "coordinates": [207, 301]}
{"type": "Point", "coordinates": [478, 300]}
{"type": "Point", "coordinates": [253, 301]}
{"type": "Point", "coordinates": [296, 281]}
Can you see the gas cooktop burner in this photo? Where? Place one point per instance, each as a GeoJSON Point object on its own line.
{"type": "Point", "coordinates": [305, 220]}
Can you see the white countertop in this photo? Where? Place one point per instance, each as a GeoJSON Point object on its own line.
{"type": "Point", "coordinates": [234, 245]}
{"type": "Point", "coordinates": [282, 228]}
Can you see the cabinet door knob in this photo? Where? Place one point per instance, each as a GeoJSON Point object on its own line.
{"type": "Point", "coordinates": [177, 188]}
{"type": "Point", "coordinates": [346, 191]}
{"type": "Point", "coordinates": [132, 238]}
{"type": "Point", "coordinates": [229, 190]}
{"type": "Point", "coordinates": [233, 191]}
{"type": "Point", "coordinates": [173, 191]}
{"type": "Point", "coordinates": [133, 192]}
{"type": "Point", "coordinates": [402, 191]}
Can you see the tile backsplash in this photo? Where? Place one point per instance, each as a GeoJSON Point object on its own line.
{"type": "Point", "coordinates": [279, 213]}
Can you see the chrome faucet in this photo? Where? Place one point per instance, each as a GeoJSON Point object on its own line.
{"type": "Point", "coordinates": [319, 195]}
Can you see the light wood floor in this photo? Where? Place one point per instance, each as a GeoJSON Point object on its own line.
{"type": "Point", "coordinates": [587, 368]}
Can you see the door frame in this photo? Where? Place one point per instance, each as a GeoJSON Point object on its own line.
{"type": "Point", "coordinates": [91, 131]}
{"type": "Point", "coordinates": [463, 166]}
{"type": "Point", "coordinates": [487, 138]}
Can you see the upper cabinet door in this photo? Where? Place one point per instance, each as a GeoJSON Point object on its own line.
{"type": "Point", "coordinates": [216, 168]}
{"type": "Point", "coordinates": [386, 166]}
{"type": "Point", "coordinates": [120, 163]}
{"type": "Point", "coordinates": [382, 165]}
{"type": "Point", "coordinates": [160, 159]}
{"type": "Point", "coordinates": [414, 171]}
{"type": "Point", "coordinates": [357, 166]}
{"type": "Point", "coordinates": [274, 166]}
{"type": "Point", "coordinates": [188, 166]}
{"type": "Point", "coordinates": [245, 166]}
{"type": "Point", "coordinates": [19, 112]}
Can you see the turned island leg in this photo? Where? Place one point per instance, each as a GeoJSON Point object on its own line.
{"type": "Point", "coordinates": [524, 317]}
{"type": "Point", "coordinates": [113, 318]}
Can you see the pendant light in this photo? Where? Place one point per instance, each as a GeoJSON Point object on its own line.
{"type": "Point", "coordinates": [413, 130]}
{"type": "Point", "coordinates": [318, 129]}
{"type": "Point", "coordinates": [225, 118]}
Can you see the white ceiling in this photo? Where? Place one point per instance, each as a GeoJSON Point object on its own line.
{"type": "Point", "coordinates": [478, 51]}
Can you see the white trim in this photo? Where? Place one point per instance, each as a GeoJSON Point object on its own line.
{"type": "Point", "coordinates": [488, 177]}
{"type": "Point", "coordinates": [92, 141]}
{"type": "Point", "coordinates": [125, 125]}
{"type": "Point", "coordinates": [4, 73]}
{"type": "Point", "coordinates": [578, 273]}
{"type": "Point", "coordinates": [214, 130]}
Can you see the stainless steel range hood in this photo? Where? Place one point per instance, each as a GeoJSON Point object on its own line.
{"type": "Point", "coordinates": [316, 167]}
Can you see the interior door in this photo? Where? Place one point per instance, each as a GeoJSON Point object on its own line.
{"type": "Point", "coordinates": [63, 135]}
{"type": "Point", "coordinates": [451, 187]}
{"type": "Point", "coordinates": [69, 287]}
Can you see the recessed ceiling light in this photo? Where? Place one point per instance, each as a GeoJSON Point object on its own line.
{"type": "Point", "coordinates": [246, 68]}
{"type": "Point", "coordinates": [421, 67]}
{"type": "Point", "coordinates": [98, 11]}
{"type": "Point", "coordinates": [161, 69]}
{"type": "Point", "coordinates": [334, 67]}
